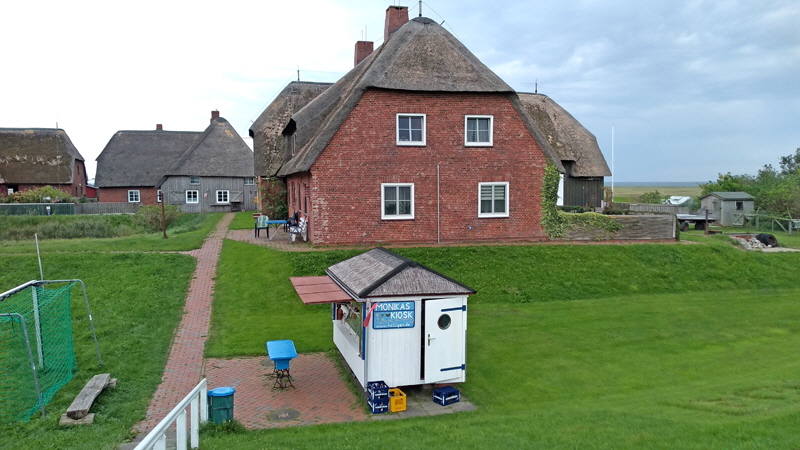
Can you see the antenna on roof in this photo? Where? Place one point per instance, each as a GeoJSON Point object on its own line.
{"type": "Point", "coordinates": [536, 86]}
{"type": "Point", "coordinates": [298, 73]}
{"type": "Point", "coordinates": [420, 8]}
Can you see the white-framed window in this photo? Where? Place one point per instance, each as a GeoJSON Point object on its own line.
{"type": "Point", "coordinates": [192, 196]}
{"type": "Point", "coordinates": [194, 180]}
{"type": "Point", "coordinates": [134, 197]}
{"type": "Point", "coordinates": [478, 131]}
{"type": "Point", "coordinates": [493, 199]}
{"type": "Point", "coordinates": [223, 196]}
{"type": "Point", "coordinates": [250, 181]}
{"type": "Point", "coordinates": [411, 129]}
{"type": "Point", "coordinates": [397, 201]}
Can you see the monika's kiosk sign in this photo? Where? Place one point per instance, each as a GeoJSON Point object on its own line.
{"type": "Point", "coordinates": [393, 315]}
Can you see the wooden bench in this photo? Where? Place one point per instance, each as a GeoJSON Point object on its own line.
{"type": "Point", "coordinates": [78, 411]}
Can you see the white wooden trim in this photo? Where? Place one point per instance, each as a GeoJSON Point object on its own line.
{"type": "Point", "coordinates": [491, 132]}
{"type": "Point", "coordinates": [508, 199]}
{"type": "Point", "coordinates": [397, 216]}
{"type": "Point", "coordinates": [424, 130]}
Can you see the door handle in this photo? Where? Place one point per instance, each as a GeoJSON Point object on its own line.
{"type": "Point", "coordinates": [429, 339]}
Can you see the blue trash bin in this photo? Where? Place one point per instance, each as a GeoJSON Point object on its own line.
{"type": "Point", "coordinates": [220, 404]}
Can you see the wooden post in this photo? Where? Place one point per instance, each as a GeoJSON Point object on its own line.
{"type": "Point", "coordinates": [163, 218]}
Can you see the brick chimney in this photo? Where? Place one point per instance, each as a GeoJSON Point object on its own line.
{"type": "Point", "coordinates": [214, 115]}
{"type": "Point", "coordinates": [396, 17]}
{"type": "Point", "coordinates": [159, 127]}
{"type": "Point", "coordinates": [363, 49]}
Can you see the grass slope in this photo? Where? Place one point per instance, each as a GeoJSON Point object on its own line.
{"type": "Point", "coordinates": [652, 372]}
{"type": "Point", "coordinates": [136, 302]}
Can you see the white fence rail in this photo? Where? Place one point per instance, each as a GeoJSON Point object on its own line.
{"type": "Point", "coordinates": [197, 402]}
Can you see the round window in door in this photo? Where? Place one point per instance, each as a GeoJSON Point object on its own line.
{"type": "Point", "coordinates": [444, 322]}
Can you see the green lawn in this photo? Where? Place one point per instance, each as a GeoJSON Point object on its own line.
{"type": "Point", "coordinates": [188, 234]}
{"type": "Point", "coordinates": [639, 346]}
{"type": "Point", "coordinates": [137, 301]}
{"type": "Point", "coordinates": [243, 221]}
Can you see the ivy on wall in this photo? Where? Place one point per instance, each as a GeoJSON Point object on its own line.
{"type": "Point", "coordinates": [590, 221]}
{"type": "Point", "coordinates": [552, 222]}
{"type": "Point", "coordinates": [273, 198]}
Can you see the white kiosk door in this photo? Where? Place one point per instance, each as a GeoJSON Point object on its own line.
{"type": "Point", "coordinates": [444, 339]}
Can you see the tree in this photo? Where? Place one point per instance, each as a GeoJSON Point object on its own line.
{"type": "Point", "coordinates": [728, 183]}
{"type": "Point", "coordinates": [654, 197]}
{"type": "Point", "coordinates": [790, 164]}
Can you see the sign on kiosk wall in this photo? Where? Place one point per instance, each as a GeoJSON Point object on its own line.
{"type": "Point", "coordinates": [393, 315]}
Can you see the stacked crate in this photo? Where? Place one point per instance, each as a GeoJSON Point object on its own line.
{"type": "Point", "coordinates": [378, 397]}
{"type": "Point", "coordinates": [446, 395]}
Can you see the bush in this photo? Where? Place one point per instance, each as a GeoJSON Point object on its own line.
{"type": "Point", "coordinates": [148, 218]}
{"type": "Point", "coordinates": [44, 194]}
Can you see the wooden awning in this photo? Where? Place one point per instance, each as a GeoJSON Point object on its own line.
{"type": "Point", "coordinates": [316, 290]}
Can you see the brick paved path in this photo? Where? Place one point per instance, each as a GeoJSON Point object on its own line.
{"type": "Point", "coordinates": [320, 394]}
{"type": "Point", "coordinates": [185, 364]}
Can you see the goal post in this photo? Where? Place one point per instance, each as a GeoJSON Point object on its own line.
{"type": "Point", "coordinates": [36, 334]}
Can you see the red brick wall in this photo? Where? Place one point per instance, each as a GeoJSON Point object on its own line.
{"type": "Point", "coordinates": [345, 181]}
{"type": "Point", "coordinates": [147, 196]}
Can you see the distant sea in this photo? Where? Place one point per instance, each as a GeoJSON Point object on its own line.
{"type": "Point", "coordinates": [655, 183]}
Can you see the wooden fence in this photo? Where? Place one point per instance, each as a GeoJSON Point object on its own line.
{"type": "Point", "coordinates": [652, 208]}
{"type": "Point", "coordinates": [66, 209]}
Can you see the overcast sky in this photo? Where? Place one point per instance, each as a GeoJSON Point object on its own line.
{"type": "Point", "coordinates": [692, 88]}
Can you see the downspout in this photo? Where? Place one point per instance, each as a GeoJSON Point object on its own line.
{"type": "Point", "coordinates": [438, 209]}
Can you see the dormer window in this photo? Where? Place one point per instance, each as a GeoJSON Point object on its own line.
{"type": "Point", "coordinates": [478, 131]}
{"type": "Point", "coordinates": [411, 129]}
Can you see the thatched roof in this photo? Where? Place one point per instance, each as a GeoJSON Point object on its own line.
{"type": "Point", "coordinates": [145, 158]}
{"type": "Point", "coordinates": [382, 273]}
{"type": "Point", "coordinates": [567, 137]}
{"type": "Point", "coordinates": [420, 56]}
{"type": "Point", "coordinates": [37, 156]}
{"type": "Point", "coordinates": [218, 152]}
{"type": "Point", "coordinates": [266, 131]}
{"type": "Point", "coordinates": [140, 158]}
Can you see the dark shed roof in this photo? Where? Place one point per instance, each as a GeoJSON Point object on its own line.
{"type": "Point", "coordinates": [570, 140]}
{"type": "Point", "coordinates": [420, 56]}
{"type": "Point", "coordinates": [37, 156]}
{"type": "Point", "coordinates": [382, 273]}
{"type": "Point", "coordinates": [730, 196]}
{"type": "Point", "coordinates": [268, 142]}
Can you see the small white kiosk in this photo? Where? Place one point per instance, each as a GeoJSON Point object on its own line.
{"type": "Point", "coordinates": [394, 320]}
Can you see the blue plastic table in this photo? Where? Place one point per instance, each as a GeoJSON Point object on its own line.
{"type": "Point", "coordinates": [274, 222]}
{"type": "Point", "coordinates": [282, 353]}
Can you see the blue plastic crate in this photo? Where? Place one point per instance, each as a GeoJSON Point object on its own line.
{"type": "Point", "coordinates": [377, 390]}
{"type": "Point", "coordinates": [446, 395]}
{"type": "Point", "coordinates": [378, 406]}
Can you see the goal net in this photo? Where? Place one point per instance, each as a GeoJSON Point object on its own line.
{"type": "Point", "coordinates": [37, 356]}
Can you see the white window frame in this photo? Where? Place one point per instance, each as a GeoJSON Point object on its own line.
{"type": "Point", "coordinates": [226, 193]}
{"type": "Point", "coordinates": [192, 180]}
{"type": "Point", "coordinates": [424, 131]}
{"type": "Point", "coordinates": [196, 196]}
{"type": "Point", "coordinates": [250, 181]}
{"type": "Point", "coordinates": [508, 196]}
{"type": "Point", "coordinates": [488, 143]}
{"type": "Point", "coordinates": [134, 196]}
{"type": "Point", "coordinates": [398, 216]}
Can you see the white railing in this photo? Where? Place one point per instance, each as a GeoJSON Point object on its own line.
{"type": "Point", "coordinates": [198, 402]}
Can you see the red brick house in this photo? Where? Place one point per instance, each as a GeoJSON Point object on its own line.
{"type": "Point", "coordinates": [198, 171]}
{"type": "Point", "coordinates": [419, 143]}
{"type": "Point", "coordinates": [31, 158]}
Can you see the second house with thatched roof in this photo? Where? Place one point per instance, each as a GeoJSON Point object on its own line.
{"type": "Point", "coordinates": [419, 143]}
{"type": "Point", "coordinates": [208, 171]}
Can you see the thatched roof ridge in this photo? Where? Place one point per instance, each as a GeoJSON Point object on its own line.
{"type": "Point", "coordinates": [570, 140]}
{"type": "Point", "coordinates": [218, 152]}
{"type": "Point", "coordinates": [37, 156]}
{"type": "Point", "coordinates": [140, 158]}
{"type": "Point", "coordinates": [382, 273]}
{"type": "Point", "coordinates": [420, 56]}
{"type": "Point", "coordinates": [269, 147]}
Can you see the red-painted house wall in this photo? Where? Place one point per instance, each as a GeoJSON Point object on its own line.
{"type": "Point", "coordinates": [344, 184]}
{"type": "Point", "coordinates": [147, 196]}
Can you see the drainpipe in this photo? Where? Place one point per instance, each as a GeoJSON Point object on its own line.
{"type": "Point", "coordinates": [438, 209]}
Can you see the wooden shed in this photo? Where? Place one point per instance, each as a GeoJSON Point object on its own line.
{"type": "Point", "coordinates": [729, 208]}
{"type": "Point", "coordinates": [394, 320]}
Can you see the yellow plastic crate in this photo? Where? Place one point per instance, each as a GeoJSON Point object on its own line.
{"type": "Point", "coordinates": [397, 400]}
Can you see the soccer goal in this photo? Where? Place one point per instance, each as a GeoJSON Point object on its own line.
{"type": "Point", "coordinates": [37, 355]}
